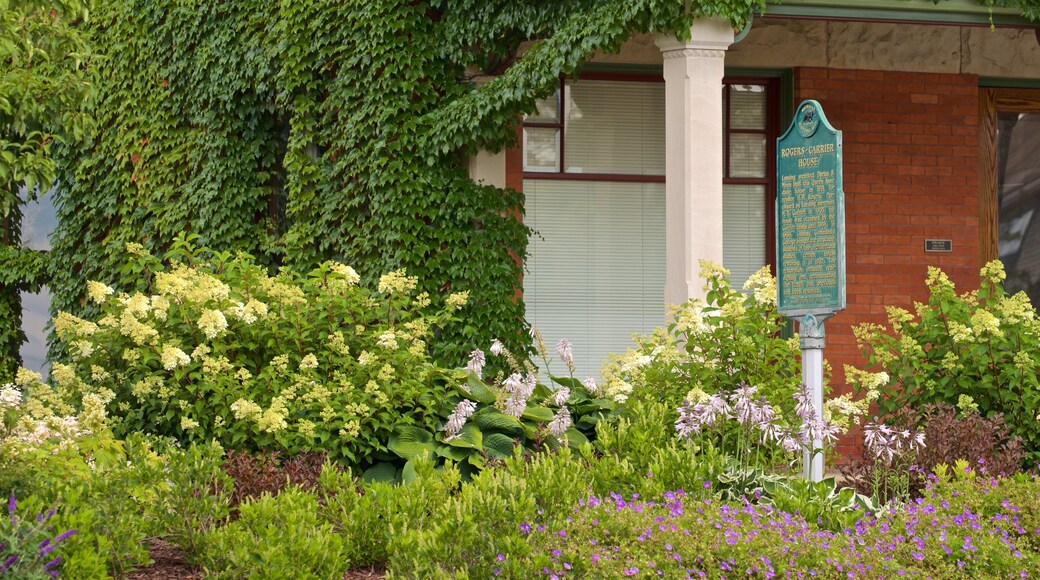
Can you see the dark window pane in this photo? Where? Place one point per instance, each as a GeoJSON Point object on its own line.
{"type": "Point", "coordinates": [1018, 190]}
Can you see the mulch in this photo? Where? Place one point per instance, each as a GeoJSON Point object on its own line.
{"type": "Point", "coordinates": [171, 565]}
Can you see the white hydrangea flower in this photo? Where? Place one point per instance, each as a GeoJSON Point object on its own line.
{"type": "Point", "coordinates": [10, 397]}
{"type": "Point", "coordinates": [309, 362]}
{"type": "Point", "coordinates": [212, 323]}
{"type": "Point", "coordinates": [98, 292]}
{"type": "Point", "coordinates": [173, 357]}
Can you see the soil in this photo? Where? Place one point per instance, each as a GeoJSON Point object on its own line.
{"type": "Point", "coordinates": [171, 565]}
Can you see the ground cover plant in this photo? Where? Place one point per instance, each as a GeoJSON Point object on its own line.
{"type": "Point", "coordinates": [583, 484]}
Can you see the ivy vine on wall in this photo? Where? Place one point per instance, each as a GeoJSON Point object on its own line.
{"type": "Point", "coordinates": [303, 131]}
{"type": "Point", "coordinates": [300, 131]}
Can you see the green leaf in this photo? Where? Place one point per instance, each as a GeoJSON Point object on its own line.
{"type": "Point", "coordinates": [494, 421]}
{"type": "Point", "coordinates": [382, 472]}
{"type": "Point", "coordinates": [575, 438]}
{"type": "Point", "coordinates": [478, 391]}
{"type": "Point", "coordinates": [499, 445]}
{"type": "Point", "coordinates": [537, 413]}
{"type": "Point", "coordinates": [469, 438]}
{"type": "Point", "coordinates": [410, 442]}
{"type": "Point", "coordinates": [456, 454]}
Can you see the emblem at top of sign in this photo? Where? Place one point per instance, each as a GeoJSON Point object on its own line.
{"type": "Point", "coordinates": [808, 120]}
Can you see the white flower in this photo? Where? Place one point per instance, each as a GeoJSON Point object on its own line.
{"type": "Point", "coordinates": [590, 385]}
{"type": "Point", "coordinates": [97, 292]}
{"type": "Point", "coordinates": [566, 352]}
{"type": "Point", "coordinates": [212, 323]}
{"type": "Point", "coordinates": [10, 397]}
{"type": "Point", "coordinates": [560, 423]}
{"type": "Point", "coordinates": [561, 396]}
{"type": "Point", "coordinates": [496, 347]}
{"type": "Point", "coordinates": [477, 362]}
{"type": "Point", "coordinates": [173, 357]}
{"type": "Point", "coordinates": [309, 362]}
{"type": "Point", "coordinates": [187, 424]}
{"type": "Point", "coordinates": [457, 419]}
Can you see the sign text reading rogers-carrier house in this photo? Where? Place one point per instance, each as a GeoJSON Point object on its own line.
{"type": "Point", "coordinates": [810, 217]}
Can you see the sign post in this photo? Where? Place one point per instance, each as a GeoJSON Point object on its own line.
{"type": "Point", "coordinates": [810, 234]}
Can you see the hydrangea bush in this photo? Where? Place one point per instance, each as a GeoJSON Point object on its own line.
{"type": "Point", "coordinates": [216, 348]}
{"type": "Point", "coordinates": [715, 345]}
{"type": "Point", "coordinates": [983, 344]}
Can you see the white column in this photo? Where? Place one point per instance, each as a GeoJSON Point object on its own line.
{"type": "Point", "coordinates": [693, 71]}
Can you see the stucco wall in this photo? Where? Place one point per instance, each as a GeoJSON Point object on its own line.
{"type": "Point", "coordinates": [787, 42]}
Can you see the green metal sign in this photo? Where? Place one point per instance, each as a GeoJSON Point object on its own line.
{"type": "Point", "coordinates": [810, 215]}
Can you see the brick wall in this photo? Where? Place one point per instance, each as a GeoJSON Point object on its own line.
{"type": "Point", "coordinates": [910, 173]}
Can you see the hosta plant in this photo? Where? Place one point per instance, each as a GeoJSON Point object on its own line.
{"type": "Point", "coordinates": [490, 416]}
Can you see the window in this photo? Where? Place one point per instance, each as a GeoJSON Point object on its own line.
{"type": "Point", "coordinates": [593, 162]}
{"type": "Point", "coordinates": [594, 188]}
{"type": "Point", "coordinates": [1010, 185]}
{"type": "Point", "coordinates": [750, 129]}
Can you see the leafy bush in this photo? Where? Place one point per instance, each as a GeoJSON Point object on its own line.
{"type": "Point", "coordinates": [712, 346]}
{"type": "Point", "coordinates": [276, 537]}
{"type": "Point", "coordinates": [27, 544]}
{"type": "Point", "coordinates": [983, 344]}
{"type": "Point", "coordinates": [219, 349]}
{"type": "Point", "coordinates": [950, 434]}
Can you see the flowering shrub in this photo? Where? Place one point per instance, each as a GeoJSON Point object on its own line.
{"type": "Point", "coordinates": [492, 415]}
{"type": "Point", "coordinates": [219, 349]}
{"type": "Point", "coordinates": [982, 343]}
{"type": "Point", "coordinates": [899, 458]}
{"type": "Point", "coordinates": [712, 346]}
{"type": "Point", "coordinates": [27, 544]}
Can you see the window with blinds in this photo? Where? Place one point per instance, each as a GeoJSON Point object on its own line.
{"type": "Point", "coordinates": [594, 157]}
{"type": "Point", "coordinates": [594, 188]}
{"type": "Point", "coordinates": [748, 176]}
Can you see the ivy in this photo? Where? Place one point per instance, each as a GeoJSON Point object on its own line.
{"type": "Point", "coordinates": [305, 131]}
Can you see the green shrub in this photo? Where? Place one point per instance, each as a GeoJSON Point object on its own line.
{"type": "Point", "coordinates": [219, 349]}
{"type": "Point", "coordinates": [195, 495]}
{"type": "Point", "coordinates": [983, 344]}
{"type": "Point", "coordinates": [712, 346]}
{"type": "Point", "coordinates": [27, 543]}
{"type": "Point", "coordinates": [276, 537]}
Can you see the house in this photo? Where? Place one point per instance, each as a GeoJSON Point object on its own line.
{"type": "Point", "coordinates": [664, 153]}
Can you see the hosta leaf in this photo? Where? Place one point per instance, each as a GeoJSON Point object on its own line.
{"type": "Point", "coordinates": [499, 445]}
{"type": "Point", "coordinates": [469, 438]}
{"type": "Point", "coordinates": [540, 414]}
{"type": "Point", "coordinates": [494, 421]}
{"type": "Point", "coordinates": [576, 438]}
{"type": "Point", "coordinates": [410, 442]}
{"type": "Point", "coordinates": [382, 472]}
{"type": "Point", "coordinates": [478, 391]}
{"type": "Point", "coordinates": [456, 454]}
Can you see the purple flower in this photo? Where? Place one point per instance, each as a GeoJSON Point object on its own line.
{"type": "Point", "coordinates": [500, 557]}
{"type": "Point", "coordinates": [525, 528]}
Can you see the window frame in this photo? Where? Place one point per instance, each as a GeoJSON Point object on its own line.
{"type": "Point", "coordinates": [774, 87]}
{"type": "Point", "coordinates": [561, 115]}
{"type": "Point", "coordinates": [991, 101]}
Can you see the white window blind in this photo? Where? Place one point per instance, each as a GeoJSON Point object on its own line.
{"type": "Point", "coordinates": [595, 266]}
{"type": "Point", "coordinates": [743, 231]}
{"type": "Point", "coordinates": [614, 127]}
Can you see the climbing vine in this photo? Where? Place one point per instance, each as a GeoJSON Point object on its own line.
{"type": "Point", "coordinates": [305, 131]}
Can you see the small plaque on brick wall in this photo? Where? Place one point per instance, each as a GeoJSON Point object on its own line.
{"type": "Point", "coordinates": [938, 245]}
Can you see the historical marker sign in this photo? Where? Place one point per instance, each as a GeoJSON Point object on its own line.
{"type": "Point", "coordinates": [810, 216]}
